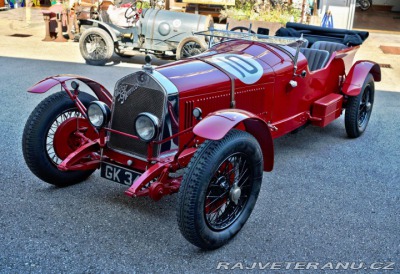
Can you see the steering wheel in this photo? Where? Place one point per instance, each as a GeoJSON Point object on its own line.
{"type": "Point", "coordinates": [238, 29]}
{"type": "Point", "coordinates": [134, 11]}
{"type": "Point", "coordinates": [241, 29]}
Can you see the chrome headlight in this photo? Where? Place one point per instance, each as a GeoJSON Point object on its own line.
{"type": "Point", "coordinates": [147, 126]}
{"type": "Point", "coordinates": [98, 114]}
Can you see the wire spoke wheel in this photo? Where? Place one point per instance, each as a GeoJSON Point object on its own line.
{"type": "Point", "coordinates": [53, 131]}
{"type": "Point", "coordinates": [51, 152]}
{"type": "Point", "coordinates": [191, 49]}
{"type": "Point", "coordinates": [219, 189]}
{"type": "Point", "coordinates": [95, 47]}
{"type": "Point", "coordinates": [228, 192]}
{"type": "Point", "coordinates": [190, 46]}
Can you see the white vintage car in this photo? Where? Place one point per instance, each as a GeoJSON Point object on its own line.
{"type": "Point", "coordinates": [133, 28]}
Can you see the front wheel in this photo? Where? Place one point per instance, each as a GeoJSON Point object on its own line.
{"type": "Point", "coordinates": [190, 46]}
{"type": "Point", "coordinates": [50, 136]}
{"type": "Point", "coordinates": [219, 189]}
{"type": "Point", "coordinates": [359, 108]}
{"type": "Point", "coordinates": [96, 46]}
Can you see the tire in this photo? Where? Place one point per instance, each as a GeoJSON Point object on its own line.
{"type": "Point", "coordinates": [96, 46]}
{"type": "Point", "coordinates": [365, 4]}
{"type": "Point", "coordinates": [359, 108]}
{"type": "Point", "coordinates": [38, 140]}
{"type": "Point", "coordinates": [211, 173]}
{"type": "Point", "coordinates": [190, 46]}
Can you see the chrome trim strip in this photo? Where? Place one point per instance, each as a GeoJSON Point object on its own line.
{"type": "Point", "coordinates": [169, 87]}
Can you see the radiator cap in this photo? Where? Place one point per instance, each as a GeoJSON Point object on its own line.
{"type": "Point", "coordinates": [148, 67]}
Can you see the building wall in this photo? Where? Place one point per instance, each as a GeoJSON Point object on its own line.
{"type": "Point", "coordinates": [385, 2]}
{"type": "Point", "coordinates": [395, 4]}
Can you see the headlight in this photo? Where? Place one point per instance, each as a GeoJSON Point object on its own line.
{"type": "Point", "coordinates": [98, 114]}
{"type": "Point", "coordinates": [147, 126]}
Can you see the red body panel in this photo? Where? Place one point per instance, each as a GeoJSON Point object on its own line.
{"type": "Point", "coordinates": [271, 98]}
{"type": "Point", "coordinates": [327, 109]}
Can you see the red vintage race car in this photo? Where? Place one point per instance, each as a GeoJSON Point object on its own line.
{"type": "Point", "coordinates": [203, 126]}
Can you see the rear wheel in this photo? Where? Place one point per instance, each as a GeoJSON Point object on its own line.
{"type": "Point", "coordinates": [50, 136]}
{"type": "Point", "coordinates": [190, 46]}
{"type": "Point", "coordinates": [219, 189]}
{"type": "Point", "coordinates": [96, 46]}
{"type": "Point", "coordinates": [364, 4]}
{"type": "Point", "coordinates": [359, 108]}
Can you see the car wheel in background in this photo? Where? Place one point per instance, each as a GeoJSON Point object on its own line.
{"type": "Point", "coordinates": [96, 46]}
{"type": "Point", "coordinates": [190, 46]}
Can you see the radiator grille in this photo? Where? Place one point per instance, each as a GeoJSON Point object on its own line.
{"type": "Point", "coordinates": [135, 94]}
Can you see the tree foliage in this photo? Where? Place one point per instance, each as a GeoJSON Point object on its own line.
{"type": "Point", "coordinates": [280, 11]}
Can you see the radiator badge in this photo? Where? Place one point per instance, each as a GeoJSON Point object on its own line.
{"type": "Point", "coordinates": [124, 91]}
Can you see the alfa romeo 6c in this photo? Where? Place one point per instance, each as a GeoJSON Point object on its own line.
{"type": "Point", "coordinates": [202, 127]}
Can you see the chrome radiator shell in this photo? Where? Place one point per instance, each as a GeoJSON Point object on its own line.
{"type": "Point", "coordinates": [136, 93]}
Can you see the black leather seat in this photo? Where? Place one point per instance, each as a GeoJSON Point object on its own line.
{"type": "Point", "coordinates": [316, 58]}
{"type": "Point", "coordinates": [329, 46]}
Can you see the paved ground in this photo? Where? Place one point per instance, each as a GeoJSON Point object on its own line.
{"type": "Point", "coordinates": [329, 199]}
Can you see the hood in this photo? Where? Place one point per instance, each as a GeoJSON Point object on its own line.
{"type": "Point", "coordinates": [245, 61]}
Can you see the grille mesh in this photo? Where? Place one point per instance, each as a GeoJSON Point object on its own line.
{"type": "Point", "coordinates": [144, 95]}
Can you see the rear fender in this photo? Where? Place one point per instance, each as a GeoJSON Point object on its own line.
{"type": "Point", "coordinates": [356, 77]}
{"type": "Point", "coordinates": [44, 85]}
{"type": "Point", "coordinates": [216, 125]}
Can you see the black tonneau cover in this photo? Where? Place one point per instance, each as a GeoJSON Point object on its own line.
{"type": "Point", "coordinates": [316, 33]}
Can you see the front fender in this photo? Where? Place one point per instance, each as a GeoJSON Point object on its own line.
{"type": "Point", "coordinates": [113, 31]}
{"type": "Point", "coordinates": [44, 85]}
{"type": "Point", "coordinates": [216, 125]}
{"type": "Point", "coordinates": [356, 77]}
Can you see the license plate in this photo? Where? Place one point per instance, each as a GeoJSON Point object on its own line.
{"type": "Point", "coordinates": [118, 174]}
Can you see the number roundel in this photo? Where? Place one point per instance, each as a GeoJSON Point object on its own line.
{"type": "Point", "coordinates": [244, 67]}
